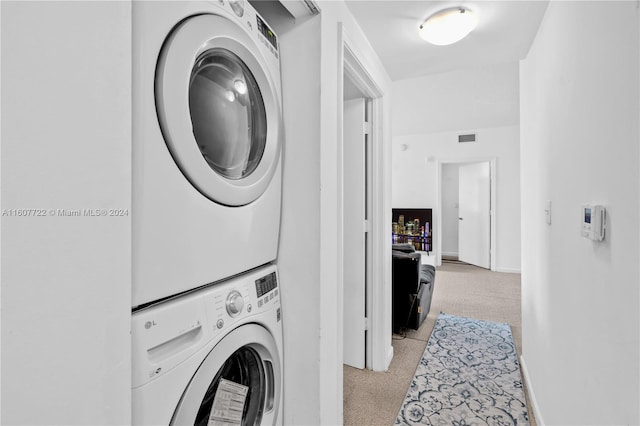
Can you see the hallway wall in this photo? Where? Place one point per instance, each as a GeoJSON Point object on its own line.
{"type": "Point", "coordinates": [66, 280]}
{"type": "Point", "coordinates": [580, 144]}
{"type": "Point", "coordinates": [298, 264]}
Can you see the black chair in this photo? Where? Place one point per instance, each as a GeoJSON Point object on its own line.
{"type": "Point", "coordinates": [413, 285]}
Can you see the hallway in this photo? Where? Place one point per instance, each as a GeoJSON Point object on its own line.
{"type": "Point", "coordinates": [374, 398]}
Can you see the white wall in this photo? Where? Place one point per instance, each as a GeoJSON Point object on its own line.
{"type": "Point", "coordinates": [474, 98]}
{"type": "Point", "coordinates": [449, 208]}
{"type": "Point", "coordinates": [66, 281]}
{"type": "Point", "coordinates": [580, 137]}
{"type": "Point", "coordinates": [299, 248]}
{"type": "Point", "coordinates": [415, 176]}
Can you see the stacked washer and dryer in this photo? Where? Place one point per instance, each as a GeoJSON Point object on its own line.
{"type": "Point", "coordinates": [207, 120]}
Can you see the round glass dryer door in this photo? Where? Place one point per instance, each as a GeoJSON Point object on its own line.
{"type": "Point", "coordinates": [236, 383]}
{"type": "Point", "coordinates": [227, 114]}
{"type": "Point", "coordinates": [218, 109]}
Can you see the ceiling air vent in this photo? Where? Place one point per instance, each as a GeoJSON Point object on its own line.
{"type": "Point", "coordinates": [471, 137]}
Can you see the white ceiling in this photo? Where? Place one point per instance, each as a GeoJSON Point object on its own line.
{"type": "Point", "coordinates": [504, 33]}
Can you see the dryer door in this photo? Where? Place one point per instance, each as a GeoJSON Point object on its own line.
{"type": "Point", "coordinates": [239, 382]}
{"type": "Point", "coordinates": [219, 109]}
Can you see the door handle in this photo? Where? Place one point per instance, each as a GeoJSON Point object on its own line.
{"type": "Point", "coordinates": [460, 218]}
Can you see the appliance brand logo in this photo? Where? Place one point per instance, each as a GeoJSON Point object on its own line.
{"type": "Point", "coordinates": [155, 372]}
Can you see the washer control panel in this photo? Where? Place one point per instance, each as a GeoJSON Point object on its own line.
{"type": "Point", "coordinates": [167, 334]}
{"type": "Point", "coordinates": [235, 303]}
{"type": "Point", "coordinates": [265, 284]}
{"type": "Point", "coordinates": [266, 288]}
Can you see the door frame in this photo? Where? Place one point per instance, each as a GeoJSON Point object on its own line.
{"type": "Point", "coordinates": [378, 348]}
{"type": "Point", "coordinates": [494, 197]}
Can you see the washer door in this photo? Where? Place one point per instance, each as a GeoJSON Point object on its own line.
{"type": "Point", "coordinates": [239, 380]}
{"type": "Point", "coordinates": [218, 109]}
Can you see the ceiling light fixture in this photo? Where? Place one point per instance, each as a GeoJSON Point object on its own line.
{"type": "Point", "coordinates": [448, 26]}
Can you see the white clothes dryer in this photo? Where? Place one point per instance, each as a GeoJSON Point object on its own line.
{"type": "Point", "coordinates": [211, 356]}
{"type": "Point", "coordinates": [207, 139]}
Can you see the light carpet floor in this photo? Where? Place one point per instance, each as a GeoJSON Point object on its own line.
{"type": "Point", "coordinates": [374, 398]}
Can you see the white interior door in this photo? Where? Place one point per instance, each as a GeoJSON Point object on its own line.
{"type": "Point", "coordinates": [354, 233]}
{"type": "Point", "coordinates": [474, 220]}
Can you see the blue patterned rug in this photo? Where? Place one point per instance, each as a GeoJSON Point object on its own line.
{"type": "Point", "coordinates": [468, 375]}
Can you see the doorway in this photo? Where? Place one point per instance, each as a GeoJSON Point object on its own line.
{"type": "Point", "coordinates": [365, 307]}
{"type": "Point", "coordinates": [373, 323]}
{"type": "Point", "coordinates": [466, 211]}
{"type": "Point", "coordinates": [357, 212]}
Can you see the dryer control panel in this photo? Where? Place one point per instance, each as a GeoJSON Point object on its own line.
{"type": "Point", "coordinates": [267, 33]}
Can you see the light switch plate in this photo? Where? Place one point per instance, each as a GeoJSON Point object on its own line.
{"type": "Point", "coordinates": [547, 211]}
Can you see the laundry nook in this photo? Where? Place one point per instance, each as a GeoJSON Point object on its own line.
{"type": "Point", "coordinates": [319, 212]}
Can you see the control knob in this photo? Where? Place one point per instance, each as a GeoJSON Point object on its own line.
{"type": "Point", "coordinates": [235, 303]}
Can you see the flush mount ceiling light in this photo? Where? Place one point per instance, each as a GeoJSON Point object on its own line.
{"type": "Point", "coordinates": [448, 26]}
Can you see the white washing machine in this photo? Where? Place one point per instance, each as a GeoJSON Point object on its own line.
{"type": "Point", "coordinates": [211, 356]}
{"type": "Point", "coordinates": [207, 137]}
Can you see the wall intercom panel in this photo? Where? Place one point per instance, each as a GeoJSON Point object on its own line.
{"type": "Point", "coordinates": [594, 221]}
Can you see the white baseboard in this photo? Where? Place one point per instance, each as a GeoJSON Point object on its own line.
{"type": "Point", "coordinates": [532, 396]}
{"type": "Point", "coordinates": [450, 254]}
{"type": "Point", "coordinates": [508, 270]}
{"type": "Point", "coordinates": [389, 357]}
